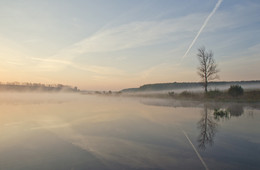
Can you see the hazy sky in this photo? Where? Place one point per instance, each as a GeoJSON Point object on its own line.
{"type": "Point", "coordinates": [115, 44]}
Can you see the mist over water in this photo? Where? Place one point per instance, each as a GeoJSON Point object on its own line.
{"type": "Point", "coordinates": [73, 131]}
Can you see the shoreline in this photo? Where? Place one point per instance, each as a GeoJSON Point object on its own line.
{"type": "Point", "coordinates": [249, 96]}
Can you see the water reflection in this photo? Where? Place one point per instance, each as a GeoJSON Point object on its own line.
{"type": "Point", "coordinates": [235, 109]}
{"type": "Point", "coordinates": [211, 114]}
{"type": "Point", "coordinates": [232, 109]}
{"type": "Point", "coordinates": [124, 134]}
{"type": "Point", "coordinates": [207, 127]}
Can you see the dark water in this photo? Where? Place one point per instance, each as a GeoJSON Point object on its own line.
{"type": "Point", "coordinates": [64, 131]}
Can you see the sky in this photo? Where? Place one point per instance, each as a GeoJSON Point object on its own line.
{"type": "Point", "coordinates": [117, 44]}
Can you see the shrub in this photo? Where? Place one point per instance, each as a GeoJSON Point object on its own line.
{"type": "Point", "coordinates": [171, 93]}
{"type": "Point", "coordinates": [219, 113]}
{"type": "Point", "coordinates": [213, 93]}
{"type": "Point", "coordinates": [186, 94]}
{"type": "Point", "coordinates": [235, 90]}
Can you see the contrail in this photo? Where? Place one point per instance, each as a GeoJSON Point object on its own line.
{"type": "Point", "coordinates": [203, 26]}
{"type": "Point", "coordinates": [202, 161]}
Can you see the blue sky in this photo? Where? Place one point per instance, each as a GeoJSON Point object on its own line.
{"type": "Point", "coordinates": [117, 44]}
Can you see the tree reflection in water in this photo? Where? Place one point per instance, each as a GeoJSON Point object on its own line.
{"type": "Point", "coordinates": [208, 122]}
{"type": "Point", "coordinates": [208, 128]}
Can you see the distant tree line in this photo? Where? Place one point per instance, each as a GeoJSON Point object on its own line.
{"type": "Point", "coordinates": [186, 85]}
{"type": "Point", "coordinates": [17, 86]}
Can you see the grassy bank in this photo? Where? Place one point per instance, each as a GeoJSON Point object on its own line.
{"type": "Point", "coordinates": [248, 95]}
{"type": "Point", "coordinates": [216, 95]}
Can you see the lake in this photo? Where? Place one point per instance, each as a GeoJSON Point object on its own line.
{"type": "Point", "coordinates": [73, 131]}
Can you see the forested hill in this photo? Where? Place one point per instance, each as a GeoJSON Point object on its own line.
{"type": "Point", "coordinates": [188, 85]}
{"type": "Point", "coordinates": [36, 87]}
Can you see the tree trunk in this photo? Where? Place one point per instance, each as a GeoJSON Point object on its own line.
{"type": "Point", "coordinates": [206, 86]}
{"type": "Point", "coordinates": [206, 83]}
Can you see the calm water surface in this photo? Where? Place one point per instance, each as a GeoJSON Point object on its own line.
{"type": "Point", "coordinates": [65, 131]}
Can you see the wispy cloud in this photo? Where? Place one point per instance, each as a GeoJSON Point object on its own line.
{"type": "Point", "coordinates": [103, 70]}
{"type": "Point", "coordinates": [203, 26]}
{"type": "Point", "coordinates": [140, 34]}
{"type": "Point", "coordinates": [52, 61]}
{"type": "Point", "coordinates": [121, 37]}
{"type": "Point", "coordinates": [133, 35]}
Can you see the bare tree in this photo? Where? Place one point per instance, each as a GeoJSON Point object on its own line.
{"type": "Point", "coordinates": [207, 69]}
